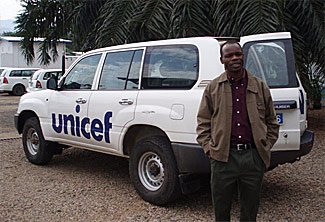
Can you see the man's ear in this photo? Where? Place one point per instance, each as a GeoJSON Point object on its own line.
{"type": "Point", "coordinates": [221, 60]}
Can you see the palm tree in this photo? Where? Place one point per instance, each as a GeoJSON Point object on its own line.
{"type": "Point", "coordinates": [48, 19]}
{"type": "Point", "coordinates": [94, 24]}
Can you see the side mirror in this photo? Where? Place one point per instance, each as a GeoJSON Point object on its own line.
{"type": "Point", "coordinates": [52, 83]}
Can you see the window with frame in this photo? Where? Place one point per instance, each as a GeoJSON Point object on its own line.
{"type": "Point", "coordinates": [15, 73]}
{"type": "Point", "coordinates": [82, 74]}
{"type": "Point", "coordinates": [54, 74]}
{"type": "Point", "coordinates": [121, 70]}
{"type": "Point", "coordinates": [271, 61]}
{"type": "Point", "coordinates": [170, 67]}
{"type": "Point", "coordinates": [27, 73]}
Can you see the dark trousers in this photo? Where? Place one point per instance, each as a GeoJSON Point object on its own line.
{"type": "Point", "coordinates": [244, 171]}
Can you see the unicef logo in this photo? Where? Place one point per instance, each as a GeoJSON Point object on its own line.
{"type": "Point", "coordinates": [85, 127]}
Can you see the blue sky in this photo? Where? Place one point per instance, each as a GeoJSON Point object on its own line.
{"type": "Point", "coordinates": [9, 9]}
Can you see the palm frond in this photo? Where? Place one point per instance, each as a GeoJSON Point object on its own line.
{"type": "Point", "coordinates": [237, 18]}
{"type": "Point", "coordinates": [152, 20]}
{"type": "Point", "coordinates": [191, 18]}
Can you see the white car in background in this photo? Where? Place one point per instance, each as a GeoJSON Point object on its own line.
{"type": "Point", "coordinates": [39, 79]}
{"type": "Point", "coordinates": [15, 80]}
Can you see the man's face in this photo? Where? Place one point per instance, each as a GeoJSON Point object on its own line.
{"type": "Point", "coordinates": [232, 58]}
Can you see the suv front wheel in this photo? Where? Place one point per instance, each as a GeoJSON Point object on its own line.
{"type": "Point", "coordinates": [36, 148]}
{"type": "Point", "coordinates": [153, 170]}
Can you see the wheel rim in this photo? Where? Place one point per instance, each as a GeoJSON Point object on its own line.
{"type": "Point", "coordinates": [32, 141]}
{"type": "Point", "coordinates": [19, 90]}
{"type": "Point", "coordinates": [151, 171]}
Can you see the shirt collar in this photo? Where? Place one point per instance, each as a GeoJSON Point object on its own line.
{"type": "Point", "coordinates": [243, 77]}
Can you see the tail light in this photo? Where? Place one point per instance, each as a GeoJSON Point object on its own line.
{"type": "Point", "coordinates": [38, 84]}
{"type": "Point", "coordinates": [5, 80]}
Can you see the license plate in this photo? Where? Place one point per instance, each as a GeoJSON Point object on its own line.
{"type": "Point", "coordinates": [279, 117]}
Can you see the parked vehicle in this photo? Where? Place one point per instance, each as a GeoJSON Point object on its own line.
{"type": "Point", "coordinates": [39, 79]}
{"type": "Point", "coordinates": [140, 101]}
{"type": "Point", "coordinates": [15, 80]}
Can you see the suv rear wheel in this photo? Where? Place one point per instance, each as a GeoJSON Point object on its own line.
{"type": "Point", "coordinates": [153, 170]}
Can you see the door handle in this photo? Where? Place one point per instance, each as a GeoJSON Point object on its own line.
{"type": "Point", "coordinates": [81, 101]}
{"type": "Point", "coordinates": [125, 101]}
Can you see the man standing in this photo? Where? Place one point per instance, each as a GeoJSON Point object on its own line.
{"type": "Point", "coordinates": [237, 127]}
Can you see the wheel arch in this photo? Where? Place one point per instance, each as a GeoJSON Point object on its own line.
{"type": "Point", "coordinates": [23, 116]}
{"type": "Point", "coordinates": [137, 132]}
{"type": "Point", "coordinates": [18, 84]}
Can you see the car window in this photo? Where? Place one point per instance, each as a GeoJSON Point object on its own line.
{"type": "Point", "coordinates": [170, 67]}
{"type": "Point", "coordinates": [27, 73]}
{"type": "Point", "coordinates": [121, 70]}
{"type": "Point", "coordinates": [271, 61]}
{"type": "Point", "coordinates": [15, 73]}
{"type": "Point", "coordinates": [55, 74]}
{"type": "Point", "coordinates": [60, 74]}
{"type": "Point", "coordinates": [82, 74]}
{"type": "Point", "coordinates": [21, 73]}
{"type": "Point", "coordinates": [133, 78]}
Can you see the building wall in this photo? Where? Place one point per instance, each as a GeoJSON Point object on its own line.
{"type": "Point", "coordinates": [11, 56]}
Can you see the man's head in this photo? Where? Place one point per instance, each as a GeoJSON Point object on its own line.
{"type": "Point", "coordinates": [231, 55]}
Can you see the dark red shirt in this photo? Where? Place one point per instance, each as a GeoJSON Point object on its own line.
{"type": "Point", "coordinates": [241, 131]}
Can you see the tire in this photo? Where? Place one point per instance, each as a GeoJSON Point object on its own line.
{"type": "Point", "coordinates": [153, 171]}
{"type": "Point", "coordinates": [18, 90]}
{"type": "Point", "coordinates": [36, 148]}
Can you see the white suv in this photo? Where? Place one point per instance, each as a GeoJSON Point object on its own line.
{"type": "Point", "coordinates": [15, 80]}
{"type": "Point", "coordinates": [140, 101]}
{"type": "Point", "coordinates": [39, 79]}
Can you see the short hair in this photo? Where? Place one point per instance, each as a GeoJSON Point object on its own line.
{"type": "Point", "coordinates": [229, 42]}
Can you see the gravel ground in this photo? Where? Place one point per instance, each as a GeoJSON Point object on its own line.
{"type": "Point", "coordinates": [81, 185]}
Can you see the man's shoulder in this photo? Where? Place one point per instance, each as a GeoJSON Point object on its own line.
{"type": "Point", "coordinates": [222, 77]}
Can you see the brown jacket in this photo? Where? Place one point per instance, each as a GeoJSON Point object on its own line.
{"type": "Point", "coordinates": [215, 114]}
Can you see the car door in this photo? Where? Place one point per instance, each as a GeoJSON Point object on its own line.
{"type": "Point", "coordinates": [15, 77]}
{"type": "Point", "coordinates": [112, 105]}
{"type": "Point", "coordinates": [167, 99]}
{"type": "Point", "coordinates": [68, 121]}
{"type": "Point", "coordinates": [270, 57]}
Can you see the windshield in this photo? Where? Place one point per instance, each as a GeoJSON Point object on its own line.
{"type": "Point", "coordinates": [271, 61]}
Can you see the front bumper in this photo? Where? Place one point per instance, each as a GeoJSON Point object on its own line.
{"type": "Point", "coordinates": [5, 88]}
{"type": "Point", "coordinates": [191, 158]}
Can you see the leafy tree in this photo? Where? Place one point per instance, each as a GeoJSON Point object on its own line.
{"type": "Point", "coordinates": [94, 24]}
{"type": "Point", "coordinates": [45, 18]}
